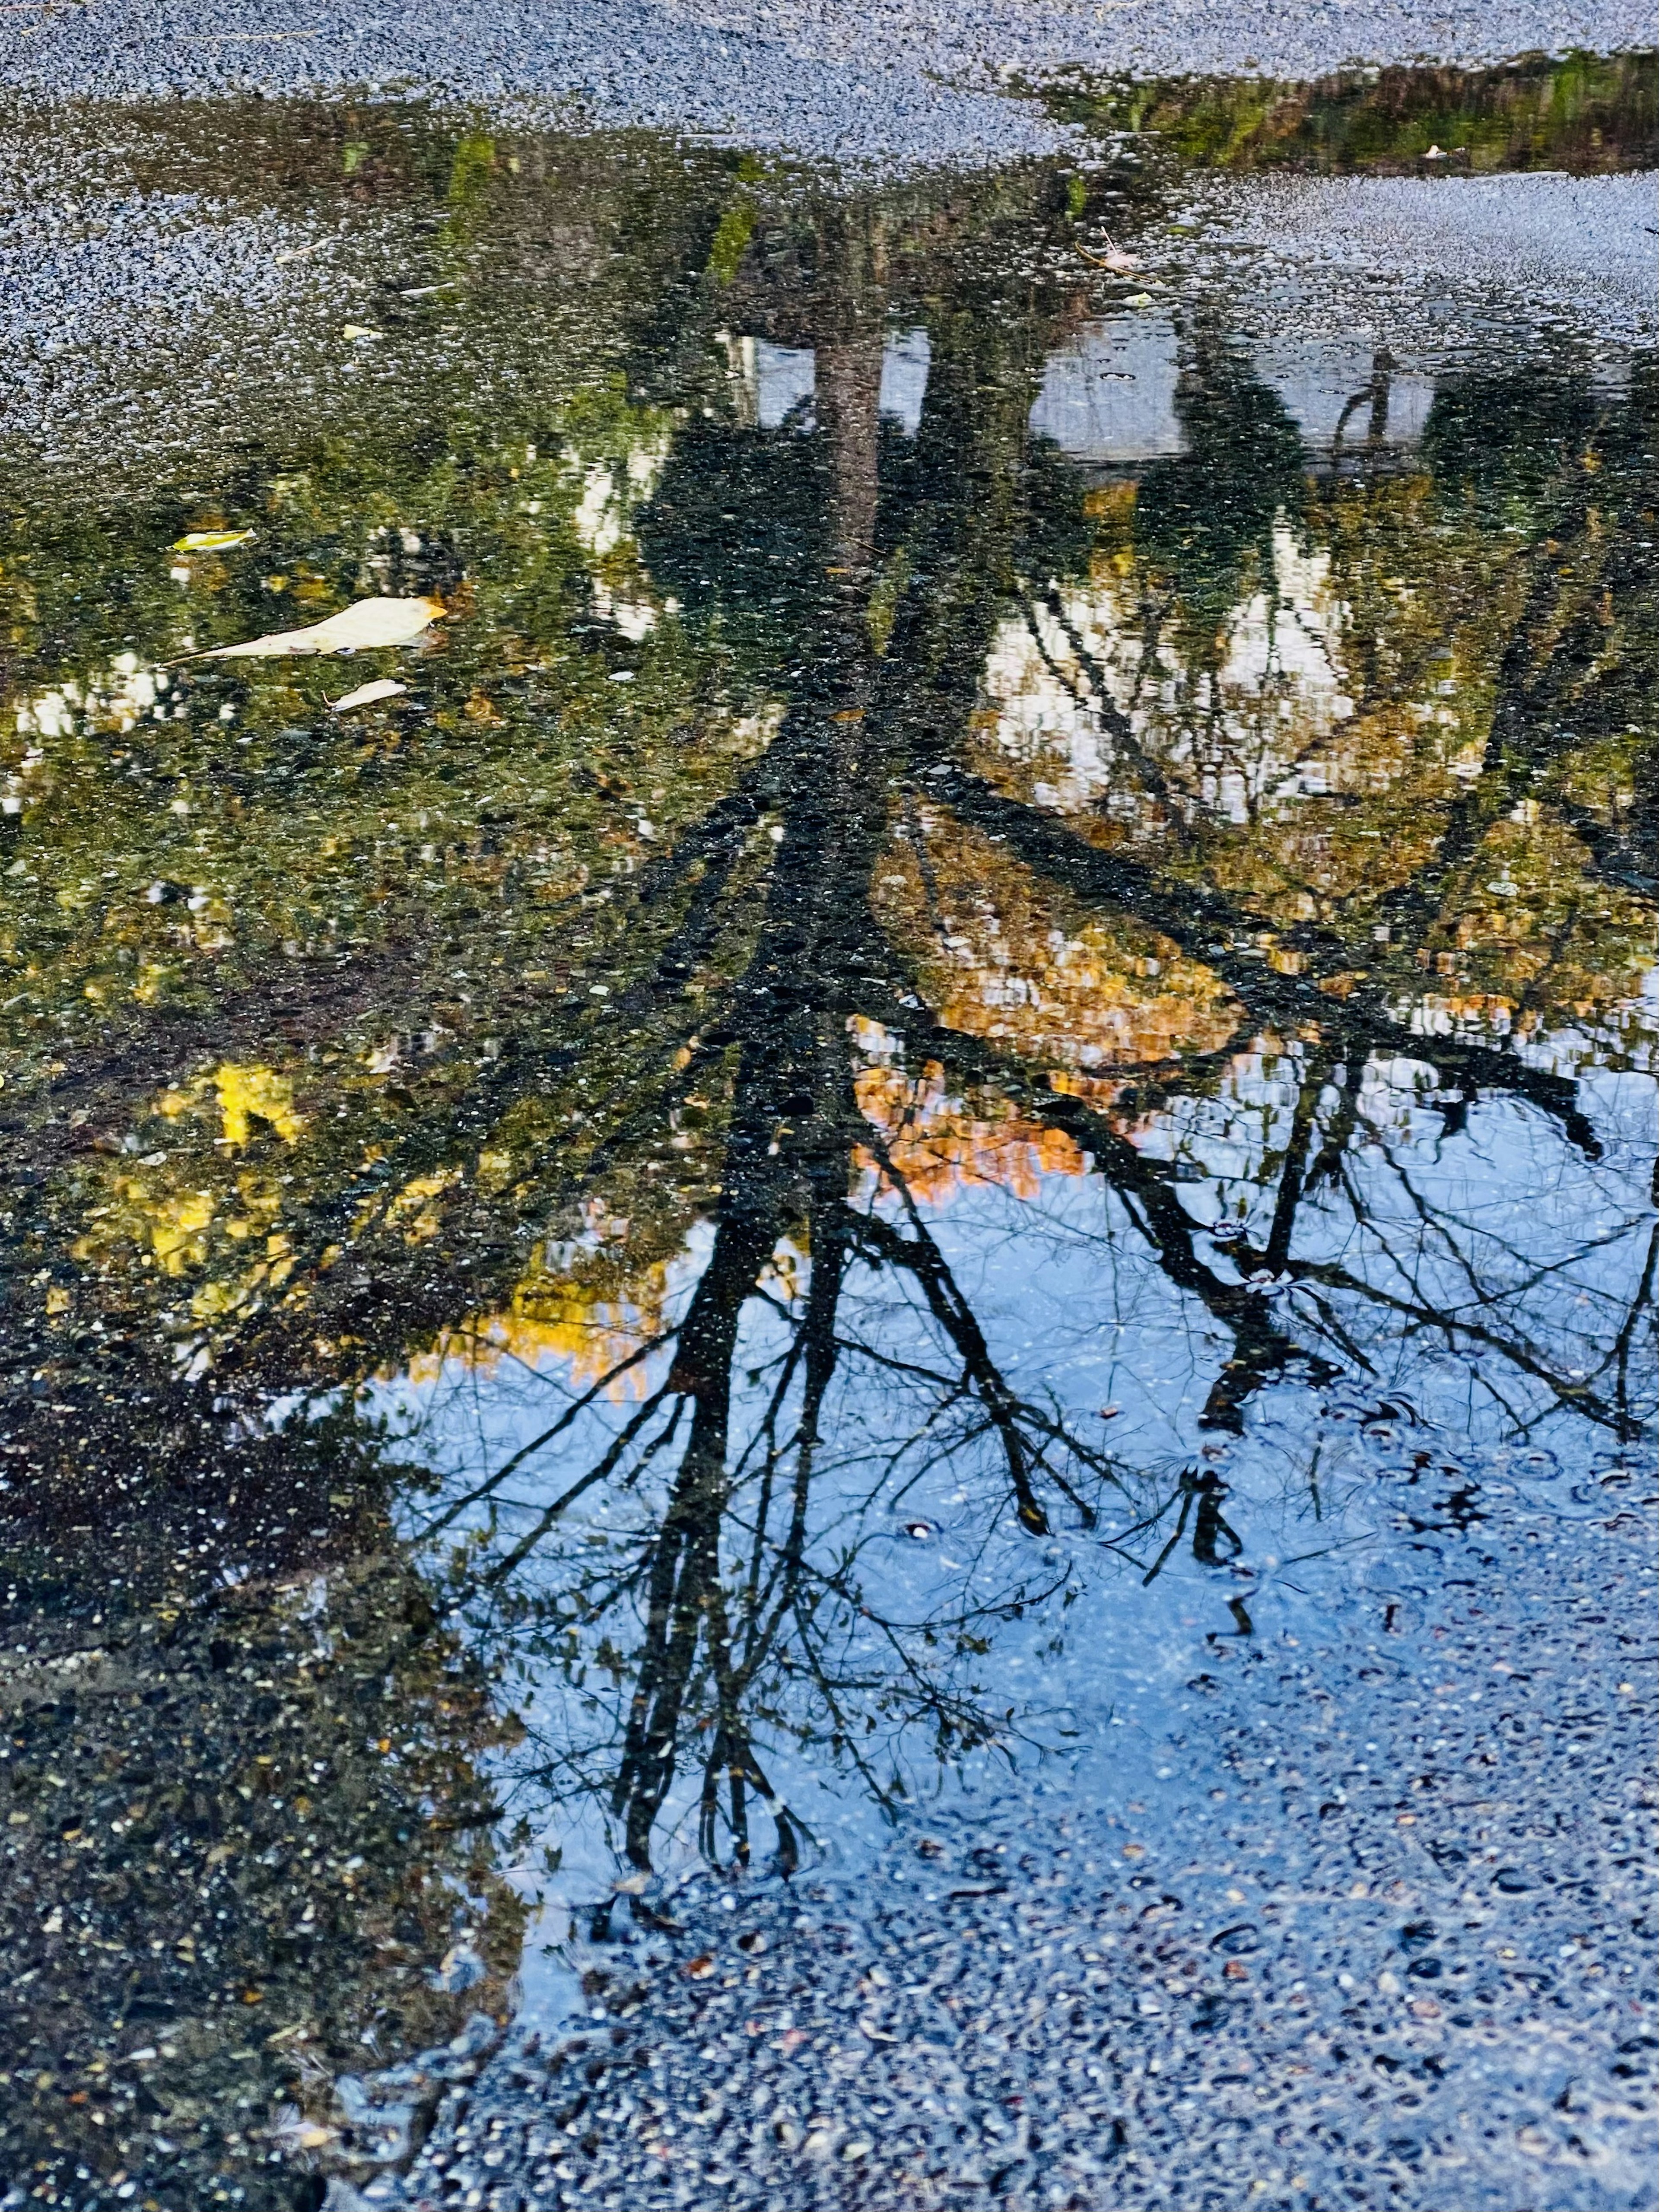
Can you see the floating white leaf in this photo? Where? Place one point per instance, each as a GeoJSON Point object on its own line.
{"type": "Point", "coordinates": [356, 629]}
{"type": "Point", "coordinates": [366, 693]}
{"type": "Point", "coordinates": [1115, 258]}
{"type": "Point", "coordinates": [211, 541]}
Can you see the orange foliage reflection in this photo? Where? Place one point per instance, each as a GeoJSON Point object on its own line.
{"type": "Point", "coordinates": [1004, 957]}
{"type": "Point", "coordinates": [941, 1146]}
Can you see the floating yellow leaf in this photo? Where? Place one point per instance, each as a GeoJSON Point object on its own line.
{"type": "Point", "coordinates": [383, 687]}
{"type": "Point", "coordinates": [357, 628]}
{"type": "Point", "coordinates": [359, 330]}
{"type": "Point", "coordinates": [211, 541]}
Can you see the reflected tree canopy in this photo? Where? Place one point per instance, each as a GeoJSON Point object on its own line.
{"type": "Point", "coordinates": [884, 1007]}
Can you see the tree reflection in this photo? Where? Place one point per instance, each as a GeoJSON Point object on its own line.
{"type": "Point", "coordinates": [966, 897]}
{"type": "Point", "coordinates": [745, 1598]}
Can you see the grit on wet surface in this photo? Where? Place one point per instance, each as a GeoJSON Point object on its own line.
{"type": "Point", "coordinates": [831, 1369]}
{"type": "Point", "coordinates": [1377, 1996]}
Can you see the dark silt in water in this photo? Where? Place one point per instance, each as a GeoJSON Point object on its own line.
{"type": "Point", "coordinates": [948, 1117]}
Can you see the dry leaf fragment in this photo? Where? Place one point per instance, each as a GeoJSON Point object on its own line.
{"type": "Point", "coordinates": [1115, 258]}
{"type": "Point", "coordinates": [357, 628]}
{"type": "Point", "coordinates": [291, 2130]}
{"type": "Point", "coordinates": [700, 1969]}
{"type": "Point", "coordinates": [383, 687]}
{"type": "Point", "coordinates": [360, 330]}
{"type": "Point", "coordinates": [211, 541]}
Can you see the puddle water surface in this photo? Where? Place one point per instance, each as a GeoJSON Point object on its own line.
{"type": "Point", "coordinates": [966, 1051]}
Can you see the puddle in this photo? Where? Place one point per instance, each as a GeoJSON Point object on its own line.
{"type": "Point", "coordinates": [971, 1035]}
{"type": "Point", "coordinates": [1581, 114]}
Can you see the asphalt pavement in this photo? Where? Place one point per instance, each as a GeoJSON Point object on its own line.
{"type": "Point", "coordinates": [880, 84]}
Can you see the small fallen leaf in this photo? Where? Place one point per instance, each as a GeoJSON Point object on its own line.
{"type": "Point", "coordinates": [359, 330]}
{"type": "Point", "coordinates": [700, 1969]}
{"type": "Point", "coordinates": [293, 2131]}
{"type": "Point", "coordinates": [357, 628]}
{"type": "Point", "coordinates": [1120, 263]}
{"type": "Point", "coordinates": [383, 687]}
{"type": "Point", "coordinates": [211, 541]}
{"type": "Point", "coordinates": [1139, 300]}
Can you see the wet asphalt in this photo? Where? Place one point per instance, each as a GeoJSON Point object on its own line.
{"type": "Point", "coordinates": [881, 84]}
{"type": "Point", "coordinates": [1393, 1965]}
{"type": "Point", "coordinates": [1393, 1962]}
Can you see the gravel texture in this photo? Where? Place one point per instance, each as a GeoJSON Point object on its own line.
{"type": "Point", "coordinates": [1390, 1964]}
{"type": "Point", "coordinates": [135, 324]}
{"type": "Point", "coordinates": [1394, 1964]}
{"type": "Point", "coordinates": [1432, 267]}
{"type": "Point", "coordinates": [901, 83]}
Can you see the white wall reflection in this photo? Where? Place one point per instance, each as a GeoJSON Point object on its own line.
{"type": "Point", "coordinates": [1327, 384]}
{"type": "Point", "coordinates": [905, 362]}
{"type": "Point", "coordinates": [1109, 396]}
{"type": "Point", "coordinates": [786, 378]}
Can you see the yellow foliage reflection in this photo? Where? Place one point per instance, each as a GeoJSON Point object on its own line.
{"type": "Point", "coordinates": [1003, 956]}
{"type": "Point", "coordinates": [247, 1095]}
